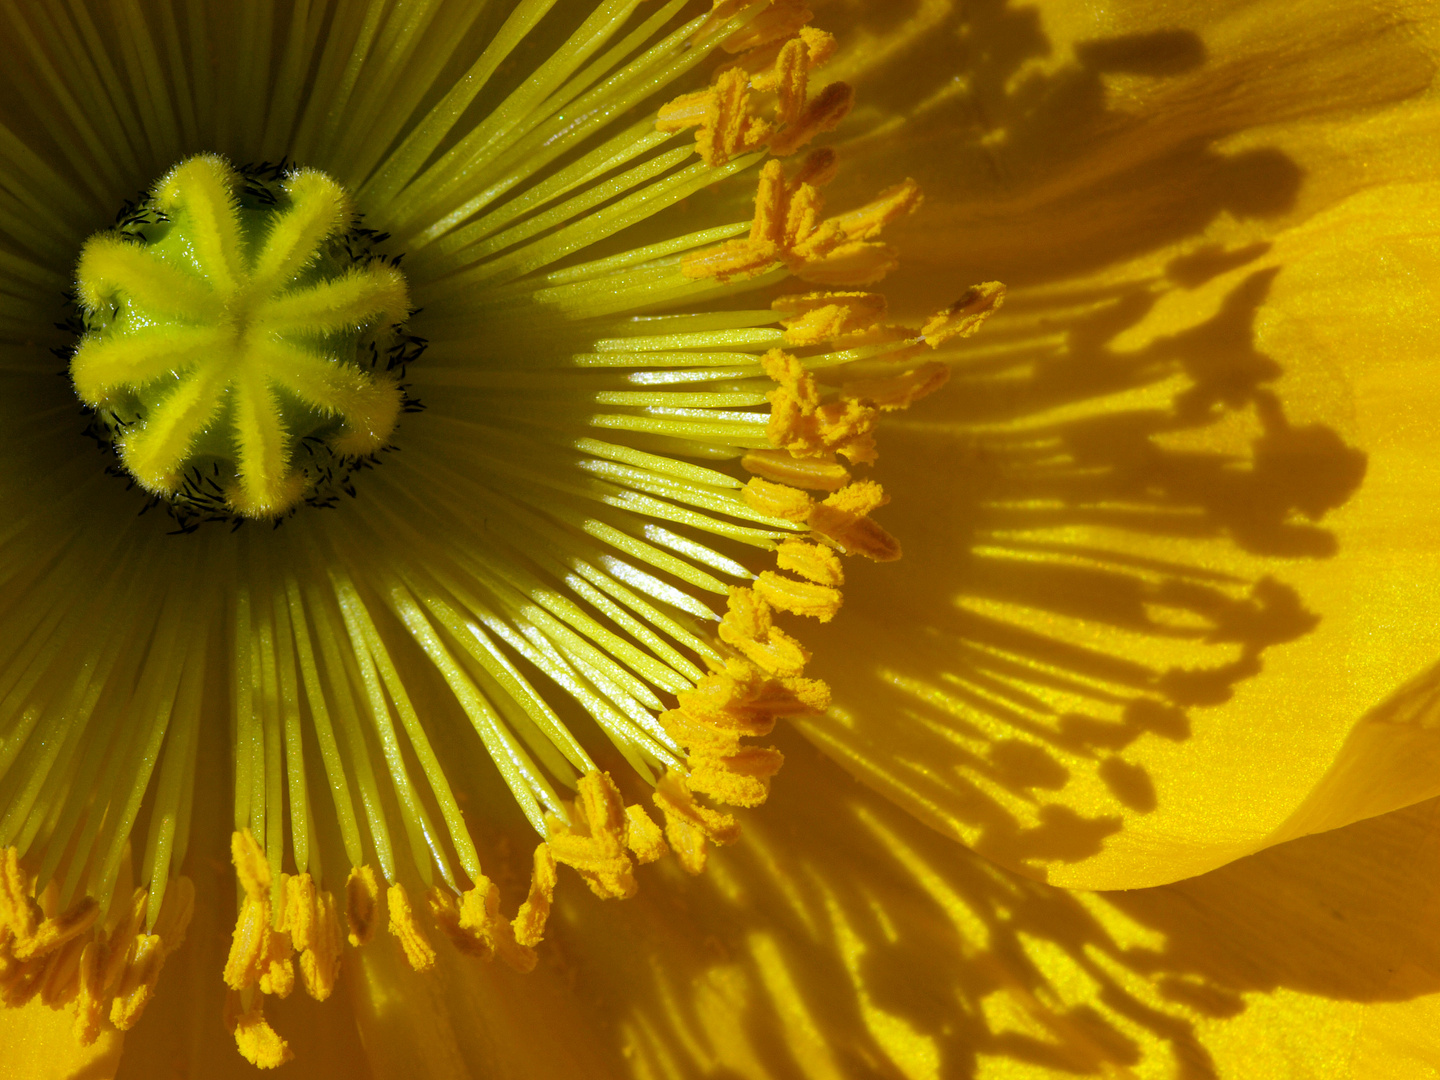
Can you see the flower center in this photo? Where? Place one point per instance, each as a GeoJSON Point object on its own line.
{"type": "Point", "coordinates": [241, 342]}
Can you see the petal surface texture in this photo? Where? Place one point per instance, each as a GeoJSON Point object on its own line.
{"type": "Point", "coordinates": [1170, 532]}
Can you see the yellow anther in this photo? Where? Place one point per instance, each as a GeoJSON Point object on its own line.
{"type": "Point", "coordinates": [801, 117]}
{"type": "Point", "coordinates": [898, 391]}
{"type": "Point", "coordinates": [55, 931]}
{"type": "Point", "coordinates": [594, 846]}
{"type": "Point", "coordinates": [249, 944]}
{"type": "Point", "coordinates": [143, 961]}
{"type": "Point", "coordinates": [783, 467]}
{"type": "Point", "coordinates": [205, 348]}
{"type": "Point", "coordinates": [299, 915]}
{"type": "Point", "coordinates": [799, 422]}
{"type": "Point", "coordinates": [642, 836]}
{"type": "Point", "coordinates": [362, 902]}
{"type": "Point", "coordinates": [529, 924]}
{"type": "Point", "coordinates": [475, 926]}
{"type": "Point", "coordinates": [690, 827]}
{"type": "Point", "coordinates": [259, 952]}
{"type": "Point", "coordinates": [18, 912]}
{"type": "Point", "coordinates": [320, 960]}
{"type": "Point", "coordinates": [739, 779]}
{"type": "Point", "coordinates": [798, 597]}
{"type": "Point", "coordinates": [277, 972]}
{"type": "Point", "coordinates": [23, 981]}
{"type": "Point", "coordinates": [777, 500]}
{"type": "Point", "coordinates": [445, 909]}
{"type": "Point", "coordinates": [121, 938]}
{"type": "Point", "coordinates": [747, 627]}
{"type": "Point", "coordinates": [815, 318]}
{"type": "Point", "coordinates": [966, 315]}
{"type": "Point", "coordinates": [722, 113]}
{"type": "Point", "coordinates": [811, 561]}
{"type": "Point", "coordinates": [418, 950]}
{"type": "Point", "coordinates": [789, 228]}
{"type": "Point", "coordinates": [890, 205]}
{"type": "Point", "coordinates": [90, 1007]}
{"type": "Point", "coordinates": [256, 1040]}
{"type": "Point", "coordinates": [62, 973]}
{"type": "Point", "coordinates": [738, 702]}
{"type": "Point", "coordinates": [251, 866]}
{"type": "Point", "coordinates": [843, 520]}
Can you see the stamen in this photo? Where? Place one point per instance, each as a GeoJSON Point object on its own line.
{"type": "Point", "coordinates": [788, 230]}
{"type": "Point", "coordinates": [594, 844]}
{"type": "Point", "coordinates": [69, 957]}
{"type": "Point", "coordinates": [240, 352]}
{"type": "Point", "coordinates": [690, 827]}
{"type": "Point", "coordinates": [362, 904]}
{"type": "Point", "coordinates": [418, 950]}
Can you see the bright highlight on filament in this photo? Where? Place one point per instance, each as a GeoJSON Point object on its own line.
{"type": "Point", "coordinates": [230, 335]}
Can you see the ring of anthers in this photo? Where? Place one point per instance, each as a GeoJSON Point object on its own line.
{"type": "Point", "coordinates": [109, 970]}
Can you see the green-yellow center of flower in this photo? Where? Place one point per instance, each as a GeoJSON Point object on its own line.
{"type": "Point", "coordinates": [235, 340]}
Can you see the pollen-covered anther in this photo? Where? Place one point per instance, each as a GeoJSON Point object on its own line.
{"type": "Point", "coordinates": [594, 845]}
{"type": "Point", "coordinates": [642, 836]}
{"type": "Point", "coordinates": [777, 500]}
{"type": "Point", "coordinates": [892, 392]}
{"type": "Point", "coordinates": [799, 116]}
{"type": "Point", "coordinates": [362, 904]}
{"type": "Point", "coordinates": [748, 628]}
{"type": "Point", "coordinates": [789, 229]}
{"type": "Point", "coordinates": [57, 930]}
{"type": "Point", "coordinates": [528, 925]}
{"type": "Point", "coordinates": [144, 955]}
{"type": "Point", "coordinates": [475, 926]}
{"type": "Point", "coordinates": [19, 914]}
{"type": "Point", "coordinates": [723, 114]}
{"type": "Point", "coordinates": [801, 424]}
{"type": "Point", "coordinates": [313, 923]}
{"type": "Point", "coordinates": [207, 348]}
{"type": "Point", "coordinates": [690, 827]}
{"type": "Point", "coordinates": [798, 597]}
{"type": "Point", "coordinates": [407, 930]}
{"type": "Point", "coordinates": [814, 562]}
{"type": "Point", "coordinates": [137, 980]}
{"type": "Point", "coordinates": [728, 705]}
{"type": "Point", "coordinates": [259, 953]}
{"type": "Point", "coordinates": [964, 317]}
{"type": "Point", "coordinates": [844, 520]}
{"type": "Point", "coordinates": [816, 318]}
{"type": "Point", "coordinates": [256, 1040]}
{"type": "Point", "coordinates": [90, 994]}
{"type": "Point", "coordinates": [738, 779]}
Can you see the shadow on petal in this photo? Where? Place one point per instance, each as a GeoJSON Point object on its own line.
{"type": "Point", "coordinates": [844, 939]}
{"type": "Point", "coordinates": [1137, 537]}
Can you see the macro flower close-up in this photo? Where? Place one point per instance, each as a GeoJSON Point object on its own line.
{"type": "Point", "coordinates": [656, 539]}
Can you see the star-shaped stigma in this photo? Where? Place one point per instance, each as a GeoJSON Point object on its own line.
{"type": "Point", "coordinates": [227, 333]}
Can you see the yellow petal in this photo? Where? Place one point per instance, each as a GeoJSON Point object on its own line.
{"type": "Point", "coordinates": [1168, 534]}
{"type": "Point", "coordinates": [40, 1044]}
{"type": "Point", "coordinates": [845, 939]}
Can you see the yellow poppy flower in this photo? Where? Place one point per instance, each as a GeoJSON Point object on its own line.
{"type": "Point", "coordinates": [1154, 518]}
